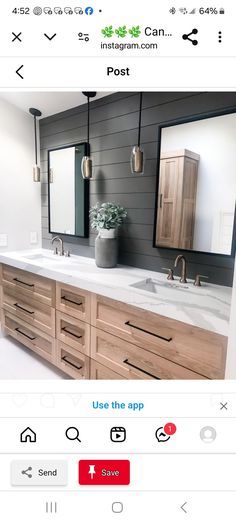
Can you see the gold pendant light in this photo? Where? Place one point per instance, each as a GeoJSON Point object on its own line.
{"type": "Point", "coordinates": [86, 163]}
{"type": "Point", "coordinates": [36, 169]}
{"type": "Point", "coordinates": [137, 154]}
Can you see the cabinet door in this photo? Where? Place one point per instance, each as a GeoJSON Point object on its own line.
{"type": "Point", "coordinates": [73, 332]}
{"type": "Point", "coordinates": [73, 301]}
{"type": "Point", "coordinates": [168, 220]}
{"type": "Point", "coordinates": [29, 285]}
{"type": "Point", "coordinates": [29, 336]}
{"type": "Point", "coordinates": [100, 372]}
{"type": "Point", "coordinates": [32, 311]}
{"type": "Point", "coordinates": [71, 361]}
{"type": "Point", "coordinates": [186, 235]}
{"type": "Point", "coordinates": [133, 362]}
{"type": "Point", "coordinates": [196, 349]}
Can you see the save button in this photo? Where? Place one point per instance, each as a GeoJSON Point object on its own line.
{"type": "Point", "coordinates": [104, 472]}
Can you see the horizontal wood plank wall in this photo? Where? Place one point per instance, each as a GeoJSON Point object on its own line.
{"type": "Point", "coordinates": [114, 122]}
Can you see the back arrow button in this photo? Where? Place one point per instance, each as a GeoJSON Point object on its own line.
{"type": "Point", "coordinates": [183, 507]}
{"type": "Point", "coordinates": [50, 37]}
{"type": "Point", "coordinates": [18, 72]}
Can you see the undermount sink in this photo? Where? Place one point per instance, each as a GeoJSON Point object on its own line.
{"type": "Point", "coordinates": [172, 292]}
{"type": "Point", "coordinates": [40, 257]}
{"type": "Point", "coordinates": [57, 262]}
{"type": "Point", "coordinates": [153, 286]}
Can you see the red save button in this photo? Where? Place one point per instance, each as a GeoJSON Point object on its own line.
{"type": "Point", "coordinates": [106, 472]}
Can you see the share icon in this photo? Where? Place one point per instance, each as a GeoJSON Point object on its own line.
{"type": "Point", "coordinates": [187, 37]}
{"type": "Point", "coordinates": [26, 472]}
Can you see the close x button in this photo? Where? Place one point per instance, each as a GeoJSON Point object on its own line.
{"type": "Point", "coordinates": [104, 472]}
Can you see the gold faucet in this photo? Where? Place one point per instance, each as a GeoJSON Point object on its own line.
{"type": "Point", "coordinates": [184, 269]}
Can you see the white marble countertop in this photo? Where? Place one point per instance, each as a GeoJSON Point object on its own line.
{"type": "Point", "coordinates": [207, 307]}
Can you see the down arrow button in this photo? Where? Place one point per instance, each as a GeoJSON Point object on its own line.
{"type": "Point", "coordinates": [50, 37]}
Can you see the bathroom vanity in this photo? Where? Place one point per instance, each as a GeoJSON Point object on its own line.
{"type": "Point", "coordinates": [123, 323]}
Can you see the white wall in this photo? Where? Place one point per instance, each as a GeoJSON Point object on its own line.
{"type": "Point", "coordinates": [214, 140]}
{"type": "Point", "coordinates": [20, 206]}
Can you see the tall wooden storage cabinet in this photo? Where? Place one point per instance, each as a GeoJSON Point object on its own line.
{"type": "Point", "coordinates": [177, 199]}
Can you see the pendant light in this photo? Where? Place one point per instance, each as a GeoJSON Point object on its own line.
{"type": "Point", "coordinates": [87, 164]}
{"type": "Point", "coordinates": [36, 169]}
{"type": "Point", "coordinates": [137, 155]}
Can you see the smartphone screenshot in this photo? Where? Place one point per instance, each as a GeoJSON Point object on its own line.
{"type": "Point", "coordinates": [117, 252]}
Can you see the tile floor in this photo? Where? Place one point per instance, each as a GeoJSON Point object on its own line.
{"type": "Point", "coordinates": [18, 362]}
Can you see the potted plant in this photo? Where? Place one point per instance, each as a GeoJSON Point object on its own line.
{"type": "Point", "coordinates": [106, 218]}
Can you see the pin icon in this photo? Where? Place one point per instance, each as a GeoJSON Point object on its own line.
{"type": "Point", "coordinates": [92, 471]}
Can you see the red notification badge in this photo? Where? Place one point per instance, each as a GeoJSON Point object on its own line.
{"type": "Point", "coordinates": [170, 428]}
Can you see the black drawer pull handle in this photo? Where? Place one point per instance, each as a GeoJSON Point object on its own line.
{"type": "Point", "coordinates": [70, 332]}
{"type": "Point", "coordinates": [126, 361]}
{"type": "Point", "coordinates": [71, 363]}
{"type": "Point", "coordinates": [21, 282]}
{"type": "Point", "coordinates": [24, 334]}
{"type": "Point", "coordinates": [24, 309]}
{"type": "Point", "coordinates": [128, 323]}
{"type": "Point", "coordinates": [72, 301]}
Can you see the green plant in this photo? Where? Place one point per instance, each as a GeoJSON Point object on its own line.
{"type": "Point", "coordinates": [135, 31]}
{"type": "Point", "coordinates": [121, 31]}
{"type": "Point", "coordinates": [108, 215]}
{"type": "Point", "coordinates": [108, 31]}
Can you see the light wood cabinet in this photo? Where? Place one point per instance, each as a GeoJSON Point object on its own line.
{"type": "Point", "coordinates": [73, 332]}
{"type": "Point", "coordinates": [34, 312]}
{"type": "Point", "coordinates": [73, 301]}
{"type": "Point", "coordinates": [29, 285]}
{"type": "Point", "coordinates": [91, 336]}
{"type": "Point", "coordinates": [100, 372]}
{"type": "Point", "coordinates": [133, 362]}
{"type": "Point", "coordinates": [177, 199]}
{"type": "Point", "coordinates": [71, 361]}
{"type": "Point", "coordinates": [198, 350]}
{"type": "Point", "coordinates": [29, 336]}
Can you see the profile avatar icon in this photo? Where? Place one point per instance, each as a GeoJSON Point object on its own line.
{"type": "Point", "coordinates": [208, 434]}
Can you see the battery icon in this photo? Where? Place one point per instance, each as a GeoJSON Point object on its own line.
{"type": "Point", "coordinates": [221, 11]}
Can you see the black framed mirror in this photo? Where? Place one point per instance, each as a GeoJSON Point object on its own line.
{"type": "Point", "coordinates": [68, 192]}
{"type": "Point", "coordinates": [196, 184]}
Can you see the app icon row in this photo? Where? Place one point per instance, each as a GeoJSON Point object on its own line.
{"type": "Point", "coordinates": [118, 434]}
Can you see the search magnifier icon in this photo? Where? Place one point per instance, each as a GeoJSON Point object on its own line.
{"type": "Point", "coordinates": [72, 433]}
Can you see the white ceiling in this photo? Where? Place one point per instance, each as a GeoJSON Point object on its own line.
{"type": "Point", "coordinates": [49, 102]}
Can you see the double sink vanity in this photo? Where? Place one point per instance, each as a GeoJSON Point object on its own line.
{"type": "Point", "coordinates": [121, 323]}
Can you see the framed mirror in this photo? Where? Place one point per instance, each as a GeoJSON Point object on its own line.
{"type": "Point", "coordinates": [196, 185]}
{"type": "Point", "coordinates": [68, 192]}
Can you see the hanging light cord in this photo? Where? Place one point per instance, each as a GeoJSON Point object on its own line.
{"type": "Point", "coordinates": [88, 119]}
{"type": "Point", "coordinates": [140, 119]}
{"type": "Point", "coordinates": [35, 141]}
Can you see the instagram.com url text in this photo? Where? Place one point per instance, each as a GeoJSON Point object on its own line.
{"type": "Point", "coordinates": [122, 46]}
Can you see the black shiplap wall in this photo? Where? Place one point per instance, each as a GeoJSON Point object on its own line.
{"type": "Point", "coordinates": [114, 122]}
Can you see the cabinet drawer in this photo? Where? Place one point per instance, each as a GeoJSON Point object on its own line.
{"type": "Point", "coordinates": [100, 372]}
{"type": "Point", "coordinates": [31, 337]}
{"type": "Point", "coordinates": [73, 301]}
{"type": "Point", "coordinates": [71, 361]}
{"type": "Point", "coordinates": [73, 332]}
{"type": "Point", "coordinates": [32, 311]}
{"type": "Point", "coordinates": [29, 285]}
{"type": "Point", "coordinates": [201, 351]}
{"type": "Point", "coordinates": [134, 362]}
